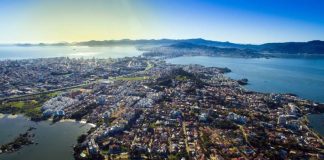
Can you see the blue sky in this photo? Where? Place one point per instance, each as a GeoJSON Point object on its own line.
{"type": "Point", "coordinates": [241, 21]}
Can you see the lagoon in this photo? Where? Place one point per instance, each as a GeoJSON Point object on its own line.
{"type": "Point", "coordinates": [55, 141]}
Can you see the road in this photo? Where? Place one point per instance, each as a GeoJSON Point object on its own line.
{"type": "Point", "coordinates": [46, 92]}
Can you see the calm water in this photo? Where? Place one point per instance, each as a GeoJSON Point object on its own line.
{"type": "Point", "coordinates": [317, 122]}
{"type": "Point", "coordinates": [55, 141]}
{"type": "Point", "coordinates": [301, 76]}
{"type": "Point", "coordinates": [16, 52]}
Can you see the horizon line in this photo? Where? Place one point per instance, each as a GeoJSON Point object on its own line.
{"type": "Point", "coordinates": [148, 39]}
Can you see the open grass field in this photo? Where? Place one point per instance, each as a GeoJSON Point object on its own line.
{"type": "Point", "coordinates": [31, 107]}
{"type": "Point", "coordinates": [130, 78]}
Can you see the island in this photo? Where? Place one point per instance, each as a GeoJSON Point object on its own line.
{"type": "Point", "coordinates": [145, 108]}
{"type": "Point", "coordinates": [23, 139]}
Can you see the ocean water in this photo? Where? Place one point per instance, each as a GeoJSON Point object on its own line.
{"type": "Point", "coordinates": [55, 141]}
{"type": "Point", "coordinates": [18, 52]}
{"type": "Point", "coordinates": [301, 76]}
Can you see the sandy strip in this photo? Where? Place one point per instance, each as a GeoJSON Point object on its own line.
{"type": "Point", "coordinates": [11, 116]}
{"type": "Point", "coordinates": [83, 121]}
{"type": "Point", "coordinates": [92, 125]}
{"type": "Point", "coordinates": [67, 120]}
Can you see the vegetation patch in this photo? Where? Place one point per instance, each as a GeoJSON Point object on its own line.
{"type": "Point", "coordinates": [149, 66]}
{"type": "Point", "coordinates": [181, 78]}
{"type": "Point", "coordinates": [29, 106]}
{"type": "Point", "coordinates": [131, 78]}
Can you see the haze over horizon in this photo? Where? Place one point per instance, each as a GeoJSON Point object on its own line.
{"type": "Point", "coordinates": [35, 21]}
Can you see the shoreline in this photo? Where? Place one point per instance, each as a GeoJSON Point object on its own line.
{"type": "Point", "coordinates": [312, 128]}
{"type": "Point", "coordinates": [13, 116]}
{"type": "Point", "coordinates": [2, 115]}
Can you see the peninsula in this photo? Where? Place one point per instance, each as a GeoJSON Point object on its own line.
{"type": "Point", "coordinates": [145, 108]}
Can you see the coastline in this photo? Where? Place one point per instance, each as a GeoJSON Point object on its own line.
{"type": "Point", "coordinates": [256, 71]}
{"type": "Point", "coordinates": [2, 115]}
{"type": "Point", "coordinates": [13, 116]}
{"type": "Point", "coordinates": [82, 121]}
{"type": "Point", "coordinates": [312, 128]}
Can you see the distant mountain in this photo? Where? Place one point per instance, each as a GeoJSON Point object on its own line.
{"type": "Point", "coordinates": [197, 41]}
{"type": "Point", "coordinates": [311, 47]}
{"type": "Point", "coordinates": [190, 49]}
{"type": "Point", "coordinates": [200, 41]}
{"type": "Point", "coordinates": [43, 44]}
{"type": "Point", "coordinates": [126, 42]}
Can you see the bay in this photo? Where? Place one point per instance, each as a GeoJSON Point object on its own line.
{"type": "Point", "coordinates": [18, 52]}
{"type": "Point", "coordinates": [317, 122]}
{"type": "Point", "coordinates": [301, 76]}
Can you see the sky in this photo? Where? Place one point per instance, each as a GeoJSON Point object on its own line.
{"type": "Point", "coordinates": [240, 21]}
